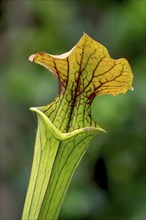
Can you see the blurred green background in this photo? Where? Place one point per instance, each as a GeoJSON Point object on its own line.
{"type": "Point", "coordinates": [119, 156]}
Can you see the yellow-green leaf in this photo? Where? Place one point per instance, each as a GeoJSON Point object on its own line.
{"type": "Point", "coordinates": [66, 127]}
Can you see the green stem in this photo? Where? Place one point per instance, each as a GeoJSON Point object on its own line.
{"type": "Point", "coordinates": [55, 160]}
